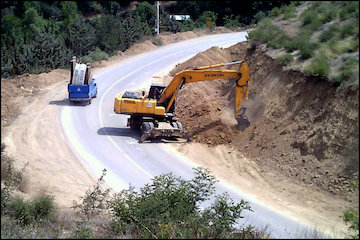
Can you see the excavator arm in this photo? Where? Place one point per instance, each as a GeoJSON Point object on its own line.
{"type": "Point", "coordinates": [241, 77]}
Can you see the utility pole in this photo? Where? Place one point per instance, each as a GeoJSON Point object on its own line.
{"type": "Point", "coordinates": [157, 28]}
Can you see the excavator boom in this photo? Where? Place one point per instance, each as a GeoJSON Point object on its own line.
{"type": "Point", "coordinates": [198, 74]}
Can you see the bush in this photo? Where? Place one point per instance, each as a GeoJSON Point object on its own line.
{"type": "Point", "coordinates": [347, 69]}
{"type": "Point", "coordinates": [319, 66]}
{"type": "Point", "coordinates": [328, 34]}
{"type": "Point", "coordinates": [289, 11]}
{"type": "Point", "coordinates": [157, 42]}
{"type": "Point", "coordinates": [269, 34]}
{"type": "Point", "coordinates": [96, 55]}
{"type": "Point", "coordinates": [178, 214]}
{"type": "Point", "coordinates": [285, 59]}
{"type": "Point", "coordinates": [351, 217]}
{"type": "Point", "coordinates": [10, 178]}
{"type": "Point", "coordinates": [275, 12]}
{"type": "Point", "coordinates": [258, 16]}
{"type": "Point", "coordinates": [349, 29]}
{"type": "Point", "coordinates": [231, 21]}
{"type": "Point", "coordinates": [22, 211]}
{"type": "Point", "coordinates": [26, 212]}
{"type": "Point", "coordinates": [43, 207]}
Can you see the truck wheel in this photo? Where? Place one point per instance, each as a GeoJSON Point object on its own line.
{"type": "Point", "coordinates": [95, 95]}
{"type": "Point", "coordinates": [90, 101]}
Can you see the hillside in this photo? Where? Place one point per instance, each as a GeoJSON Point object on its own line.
{"type": "Point", "coordinates": [316, 38]}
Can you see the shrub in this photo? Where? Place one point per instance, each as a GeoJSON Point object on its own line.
{"type": "Point", "coordinates": [10, 178]}
{"type": "Point", "coordinates": [96, 55]}
{"type": "Point", "coordinates": [329, 33]}
{"type": "Point", "coordinates": [43, 207]}
{"type": "Point", "coordinates": [94, 200]}
{"type": "Point", "coordinates": [22, 211]}
{"type": "Point", "coordinates": [268, 33]}
{"type": "Point", "coordinates": [258, 16]}
{"type": "Point", "coordinates": [27, 212]}
{"type": "Point", "coordinates": [319, 66]}
{"type": "Point", "coordinates": [308, 17]}
{"type": "Point", "coordinates": [285, 59]}
{"type": "Point", "coordinates": [348, 29]}
{"type": "Point", "coordinates": [82, 231]}
{"type": "Point", "coordinates": [178, 214]}
{"type": "Point", "coordinates": [275, 12]}
{"type": "Point", "coordinates": [231, 21]}
{"type": "Point", "coordinates": [157, 42]}
{"type": "Point", "coordinates": [347, 69]}
{"type": "Point", "coordinates": [351, 217]}
{"type": "Point", "coordinates": [289, 11]}
{"type": "Point", "coordinates": [307, 51]}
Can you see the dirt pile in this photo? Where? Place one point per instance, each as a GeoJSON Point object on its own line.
{"type": "Point", "coordinates": [302, 127]}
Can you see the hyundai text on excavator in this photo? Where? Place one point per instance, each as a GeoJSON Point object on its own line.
{"type": "Point", "coordinates": [155, 114]}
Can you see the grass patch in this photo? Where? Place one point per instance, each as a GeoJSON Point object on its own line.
{"type": "Point", "coordinates": [285, 59]}
{"type": "Point", "coordinates": [289, 11]}
{"type": "Point", "coordinates": [351, 217]}
{"type": "Point", "coordinates": [319, 66]}
{"type": "Point", "coordinates": [269, 34]}
{"type": "Point", "coordinates": [275, 12]}
{"type": "Point", "coordinates": [347, 69]}
{"type": "Point", "coordinates": [328, 34]}
{"type": "Point", "coordinates": [349, 29]}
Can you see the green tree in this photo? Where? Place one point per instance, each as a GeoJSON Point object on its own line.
{"type": "Point", "coordinates": [81, 37]}
{"type": "Point", "coordinates": [146, 13]}
{"type": "Point", "coordinates": [33, 24]}
{"type": "Point", "coordinates": [69, 13]}
{"type": "Point", "coordinates": [110, 7]}
{"type": "Point", "coordinates": [110, 34]}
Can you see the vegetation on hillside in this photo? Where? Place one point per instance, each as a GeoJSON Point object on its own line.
{"type": "Point", "coordinates": [39, 36]}
{"type": "Point", "coordinates": [167, 207]}
{"type": "Point", "coordinates": [326, 39]}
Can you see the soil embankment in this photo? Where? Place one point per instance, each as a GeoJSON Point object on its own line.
{"type": "Point", "coordinates": [303, 143]}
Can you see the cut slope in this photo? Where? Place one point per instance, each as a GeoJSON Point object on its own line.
{"type": "Point", "coordinates": [302, 127]}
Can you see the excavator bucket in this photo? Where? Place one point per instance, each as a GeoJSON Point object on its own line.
{"type": "Point", "coordinates": [243, 120]}
{"type": "Point", "coordinates": [163, 131]}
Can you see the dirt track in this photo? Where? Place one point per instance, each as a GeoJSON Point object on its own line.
{"type": "Point", "coordinates": [228, 156]}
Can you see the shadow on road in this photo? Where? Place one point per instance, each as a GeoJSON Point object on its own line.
{"type": "Point", "coordinates": [66, 102]}
{"type": "Point", "coordinates": [114, 131]}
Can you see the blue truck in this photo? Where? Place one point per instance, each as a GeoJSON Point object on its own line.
{"type": "Point", "coordinates": [82, 86]}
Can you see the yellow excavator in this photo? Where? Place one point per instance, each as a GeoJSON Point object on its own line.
{"type": "Point", "coordinates": [154, 114]}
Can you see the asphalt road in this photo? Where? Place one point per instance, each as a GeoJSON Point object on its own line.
{"type": "Point", "coordinates": [100, 139]}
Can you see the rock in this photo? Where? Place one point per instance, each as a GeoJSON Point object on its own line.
{"type": "Point", "coordinates": [222, 135]}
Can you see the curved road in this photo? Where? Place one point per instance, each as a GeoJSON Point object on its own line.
{"type": "Point", "coordinates": [100, 139]}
